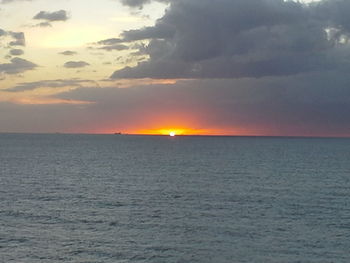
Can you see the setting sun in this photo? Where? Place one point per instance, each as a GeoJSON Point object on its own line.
{"type": "Point", "coordinates": [172, 133]}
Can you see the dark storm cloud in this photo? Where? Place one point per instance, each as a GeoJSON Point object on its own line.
{"type": "Point", "coordinates": [336, 11]}
{"type": "Point", "coordinates": [162, 31]}
{"type": "Point", "coordinates": [60, 15]}
{"type": "Point", "coordinates": [76, 64]}
{"type": "Point", "coordinates": [17, 65]}
{"type": "Point", "coordinates": [239, 38]}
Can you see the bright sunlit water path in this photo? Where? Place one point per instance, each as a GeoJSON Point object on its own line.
{"type": "Point", "coordinates": [118, 198]}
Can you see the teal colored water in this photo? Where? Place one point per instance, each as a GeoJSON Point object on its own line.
{"type": "Point", "coordinates": [119, 198]}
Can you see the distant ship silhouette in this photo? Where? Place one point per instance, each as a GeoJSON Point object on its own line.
{"type": "Point", "coordinates": [117, 133]}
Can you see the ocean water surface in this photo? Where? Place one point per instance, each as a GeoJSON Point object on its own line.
{"type": "Point", "coordinates": [123, 198]}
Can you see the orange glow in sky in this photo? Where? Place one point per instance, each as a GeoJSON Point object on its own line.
{"type": "Point", "coordinates": [175, 124]}
{"type": "Point", "coordinates": [177, 131]}
{"type": "Point", "coordinates": [180, 124]}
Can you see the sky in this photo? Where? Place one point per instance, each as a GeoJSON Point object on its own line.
{"type": "Point", "coordinates": [223, 67]}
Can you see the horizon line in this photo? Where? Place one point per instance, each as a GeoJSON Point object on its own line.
{"type": "Point", "coordinates": [185, 135]}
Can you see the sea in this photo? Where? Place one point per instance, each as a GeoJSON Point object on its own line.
{"type": "Point", "coordinates": [183, 199]}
